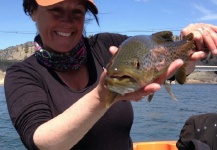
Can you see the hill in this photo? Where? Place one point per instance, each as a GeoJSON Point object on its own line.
{"type": "Point", "coordinates": [19, 52]}
{"type": "Point", "coordinates": [14, 54]}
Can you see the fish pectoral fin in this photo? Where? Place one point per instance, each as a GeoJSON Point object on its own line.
{"type": "Point", "coordinates": [150, 97]}
{"type": "Point", "coordinates": [180, 74]}
{"type": "Point", "coordinates": [110, 97]}
{"type": "Point", "coordinates": [167, 86]}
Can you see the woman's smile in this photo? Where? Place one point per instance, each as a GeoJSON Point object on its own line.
{"type": "Point", "coordinates": [65, 34]}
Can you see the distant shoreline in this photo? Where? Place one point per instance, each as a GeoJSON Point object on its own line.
{"type": "Point", "coordinates": [199, 82]}
{"type": "Point", "coordinates": [202, 78]}
{"type": "Point", "coordinates": [193, 78]}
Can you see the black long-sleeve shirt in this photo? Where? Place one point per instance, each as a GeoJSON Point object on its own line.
{"type": "Point", "coordinates": [35, 94]}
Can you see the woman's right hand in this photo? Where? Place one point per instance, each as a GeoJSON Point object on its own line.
{"type": "Point", "coordinates": [147, 90]}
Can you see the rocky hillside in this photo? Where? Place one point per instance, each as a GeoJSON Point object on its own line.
{"type": "Point", "coordinates": [19, 52]}
{"type": "Point", "coordinates": [14, 54]}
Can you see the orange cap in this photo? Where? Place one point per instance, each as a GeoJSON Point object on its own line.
{"type": "Point", "coordinates": [93, 7]}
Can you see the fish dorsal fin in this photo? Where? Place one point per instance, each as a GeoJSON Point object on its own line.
{"type": "Point", "coordinates": [180, 74]}
{"type": "Point", "coordinates": [163, 36]}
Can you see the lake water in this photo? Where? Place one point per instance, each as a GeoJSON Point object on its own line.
{"type": "Point", "coordinates": [162, 119]}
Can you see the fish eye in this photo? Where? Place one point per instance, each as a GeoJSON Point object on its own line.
{"type": "Point", "coordinates": [136, 63]}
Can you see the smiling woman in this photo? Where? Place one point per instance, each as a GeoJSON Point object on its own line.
{"type": "Point", "coordinates": [61, 25]}
{"type": "Point", "coordinates": [56, 97]}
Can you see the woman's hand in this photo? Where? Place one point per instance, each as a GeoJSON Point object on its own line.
{"type": "Point", "coordinates": [204, 34]}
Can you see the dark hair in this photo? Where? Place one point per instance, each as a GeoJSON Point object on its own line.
{"type": "Point", "coordinates": [29, 6]}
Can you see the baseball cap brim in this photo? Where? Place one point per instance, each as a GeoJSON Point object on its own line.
{"type": "Point", "coordinates": [92, 6]}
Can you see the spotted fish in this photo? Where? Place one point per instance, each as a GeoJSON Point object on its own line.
{"type": "Point", "coordinates": [141, 59]}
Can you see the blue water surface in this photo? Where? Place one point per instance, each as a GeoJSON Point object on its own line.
{"type": "Point", "coordinates": [162, 119]}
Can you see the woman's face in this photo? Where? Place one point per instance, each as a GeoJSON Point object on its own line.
{"type": "Point", "coordinates": [61, 25]}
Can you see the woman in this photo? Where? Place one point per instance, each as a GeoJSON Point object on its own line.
{"type": "Point", "coordinates": [56, 97]}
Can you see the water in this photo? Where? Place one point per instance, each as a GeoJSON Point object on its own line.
{"type": "Point", "coordinates": [9, 139]}
{"type": "Point", "coordinates": [162, 119]}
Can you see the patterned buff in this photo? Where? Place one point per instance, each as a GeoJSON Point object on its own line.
{"type": "Point", "coordinates": [72, 60]}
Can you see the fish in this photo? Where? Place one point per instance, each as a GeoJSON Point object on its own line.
{"type": "Point", "coordinates": [141, 59]}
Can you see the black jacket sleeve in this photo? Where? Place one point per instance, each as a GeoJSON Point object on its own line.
{"type": "Point", "coordinates": [199, 132]}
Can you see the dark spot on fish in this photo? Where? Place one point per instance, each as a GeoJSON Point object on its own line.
{"type": "Point", "coordinates": [126, 63]}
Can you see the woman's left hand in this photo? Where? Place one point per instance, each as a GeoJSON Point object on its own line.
{"type": "Point", "coordinates": [204, 34]}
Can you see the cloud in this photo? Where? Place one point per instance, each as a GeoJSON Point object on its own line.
{"type": "Point", "coordinates": [214, 1]}
{"type": "Point", "coordinates": [207, 13]}
{"type": "Point", "coordinates": [142, 1]}
{"type": "Point", "coordinates": [202, 9]}
{"type": "Point", "coordinates": [209, 17]}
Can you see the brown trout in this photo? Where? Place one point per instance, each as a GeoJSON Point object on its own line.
{"type": "Point", "coordinates": [141, 59]}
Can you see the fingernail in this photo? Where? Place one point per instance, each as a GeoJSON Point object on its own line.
{"type": "Point", "coordinates": [215, 51]}
{"type": "Point", "coordinates": [203, 54]}
{"type": "Point", "coordinates": [150, 94]}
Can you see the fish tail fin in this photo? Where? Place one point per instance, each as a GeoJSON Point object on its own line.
{"type": "Point", "coordinates": [189, 37]}
{"type": "Point", "coordinates": [110, 98]}
{"type": "Point", "coordinates": [167, 86]}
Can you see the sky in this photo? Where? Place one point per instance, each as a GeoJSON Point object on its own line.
{"type": "Point", "coordinates": [130, 17]}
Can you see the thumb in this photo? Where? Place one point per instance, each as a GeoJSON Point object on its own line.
{"type": "Point", "coordinates": [113, 49]}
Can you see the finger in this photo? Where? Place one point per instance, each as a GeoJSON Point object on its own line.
{"type": "Point", "coordinates": [198, 38]}
{"type": "Point", "coordinates": [214, 28]}
{"type": "Point", "coordinates": [213, 33]}
{"type": "Point", "coordinates": [113, 49]}
{"type": "Point", "coordinates": [196, 56]}
{"type": "Point", "coordinates": [101, 90]}
{"type": "Point", "coordinates": [151, 88]}
{"type": "Point", "coordinates": [185, 31]}
{"type": "Point", "coordinates": [209, 38]}
{"type": "Point", "coordinates": [146, 91]}
{"type": "Point", "coordinates": [174, 66]}
{"type": "Point", "coordinates": [140, 94]}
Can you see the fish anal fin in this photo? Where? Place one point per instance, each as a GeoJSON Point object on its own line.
{"type": "Point", "coordinates": [150, 97]}
{"type": "Point", "coordinates": [180, 74]}
{"type": "Point", "coordinates": [167, 87]}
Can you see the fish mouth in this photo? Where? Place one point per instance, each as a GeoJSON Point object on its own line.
{"type": "Point", "coordinates": [120, 79]}
{"type": "Point", "coordinates": [121, 84]}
